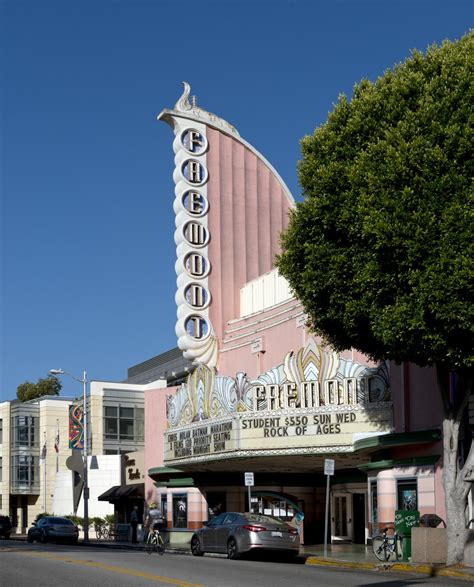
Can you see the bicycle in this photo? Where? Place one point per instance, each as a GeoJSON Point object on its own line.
{"type": "Point", "coordinates": [155, 542]}
{"type": "Point", "coordinates": [101, 531]}
{"type": "Point", "coordinates": [386, 547]}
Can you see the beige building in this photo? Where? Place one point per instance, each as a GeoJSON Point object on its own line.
{"type": "Point", "coordinates": [29, 432]}
{"type": "Point", "coordinates": [32, 470]}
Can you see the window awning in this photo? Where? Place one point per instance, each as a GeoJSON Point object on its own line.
{"type": "Point", "coordinates": [118, 492]}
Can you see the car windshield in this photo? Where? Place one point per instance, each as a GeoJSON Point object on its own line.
{"type": "Point", "coordinates": [61, 521]}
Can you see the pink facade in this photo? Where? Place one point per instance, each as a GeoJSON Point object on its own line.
{"type": "Point", "coordinates": [282, 328]}
{"type": "Point", "coordinates": [155, 424]}
{"type": "Point", "coordinates": [248, 210]}
{"type": "Point", "coordinates": [385, 467]}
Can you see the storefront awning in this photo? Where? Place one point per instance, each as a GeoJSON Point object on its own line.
{"type": "Point", "coordinates": [118, 492]}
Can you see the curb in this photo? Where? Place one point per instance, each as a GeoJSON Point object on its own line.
{"type": "Point", "coordinates": [421, 569]}
{"type": "Point", "coordinates": [327, 562]}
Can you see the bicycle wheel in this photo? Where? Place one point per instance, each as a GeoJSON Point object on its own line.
{"type": "Point", "coordinates": [151, 544]}
{"type": "Point", "coordinates": [98, 532]}
{"type": "Point", "coordinates": [161, 545]}
{"type": "Point", "coordinates": [105, 532]}
{"type": "Point", "coordinates": [380, 547]}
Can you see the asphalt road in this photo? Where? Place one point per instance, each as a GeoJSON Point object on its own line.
{"type": "Point", "coordinates": [51, 565]}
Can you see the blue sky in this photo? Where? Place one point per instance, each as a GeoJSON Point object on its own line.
{"type": "Point", "coordinates": [86, 251]}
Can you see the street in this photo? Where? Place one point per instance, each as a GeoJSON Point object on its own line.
{"type": "Point", "coordinates": [54, 565]}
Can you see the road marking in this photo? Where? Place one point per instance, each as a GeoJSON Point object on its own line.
{"type": "Point", "coordinates": [104, 567]}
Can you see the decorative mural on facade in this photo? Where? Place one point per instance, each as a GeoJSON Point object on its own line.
{"type": "Point", "coordinates": [76, 427]}
{"type": "Point", "coordinates": [313, 400]}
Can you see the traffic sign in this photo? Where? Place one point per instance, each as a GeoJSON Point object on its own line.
{"type": "Point", "coordinates": [329, 466]}
{"type": "Point", "coordinates": [249, 481]}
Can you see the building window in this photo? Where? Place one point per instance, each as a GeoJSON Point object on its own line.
{"type": "Point", "coordinates": [180, 511]}
{"type": "Point", "coordinates": [126, 424]}
{"type": "Point", "coordinates": [111, 422]}
{"type": "Point", "coordinates": [1, 431]}
{"type": "Point", "coordinates": [407, 494]}
{"type": "Point", "coordinates": [1, 469]}
{"type": "Point", "coordinates": [164, 508]}
{"type": "Point", "coordinates": [123, 423]}
{"type": "Point", "coordinates": [373, 497]}
{"type": "Point", "coordinates": [24, 473]}
{"type": "Point", "coordinates": [24, 431]}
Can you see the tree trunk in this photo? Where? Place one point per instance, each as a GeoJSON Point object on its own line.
{"type": "Point", "coordinates": [456, 488]}
{"type": "Point", "coordinates": [455, 504]}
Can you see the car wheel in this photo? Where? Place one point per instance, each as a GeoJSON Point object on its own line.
{"type": "Point", "coordinates": [43, 537]}
{"type": "Point", "coordinates": [196, 546]}
{"type": "Point", "coordinates": [232, 549]}
{"type": "Point", "coordinates": [29, 538]}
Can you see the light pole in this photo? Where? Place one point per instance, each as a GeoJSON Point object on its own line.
{"type": "Point", "coordinates": [84, 450]}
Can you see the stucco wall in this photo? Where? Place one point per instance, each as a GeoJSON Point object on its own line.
{"type": "Point", "coordinates": [155, 425]}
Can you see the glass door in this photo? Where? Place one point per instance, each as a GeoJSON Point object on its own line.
{"type": "Point", "coordinates": [341, 520]}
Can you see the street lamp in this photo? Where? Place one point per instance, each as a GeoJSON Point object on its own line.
{"type": "Point", "coordinates": [84, 451]}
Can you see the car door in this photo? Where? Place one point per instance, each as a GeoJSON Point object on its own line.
{"type": "Point", "coordinates": [223, 531]}
{"type": "Point", "coordinates": [38, 528]}
{"type": "Point", "coordinates": [209, 533]}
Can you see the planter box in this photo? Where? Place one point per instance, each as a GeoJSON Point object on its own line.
{"type": "Point", "coordinates": [429, 545]}
{"type": "Point", "coordinates": [469, 549]}
{"type": "Point", "coordinates": [177, 538]}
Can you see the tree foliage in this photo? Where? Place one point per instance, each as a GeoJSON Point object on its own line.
{"type": "Point", "coordinates": [380, 252]}
{"type": "Point", "coordinates": [49, 386]}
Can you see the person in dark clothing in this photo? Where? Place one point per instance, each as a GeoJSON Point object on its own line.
{"type": "Point", "coordinates": [134, 524]}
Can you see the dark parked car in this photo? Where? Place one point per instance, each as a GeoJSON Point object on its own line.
{"type": "Point", "coordinates": [5, 527]}
{"type": "Point", "coordinates": [235, 534]}
{"type": "Point", "coordinates": [52, 528]}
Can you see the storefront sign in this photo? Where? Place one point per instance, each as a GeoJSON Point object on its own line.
{"type": "Point", "coordinates": [200, 440]}
{"type": "Point", "coordinates": [191, 205]}
{"type": "Point", "coordinates": [134, 464]}
{"type": "Point", "coordinates": [307, 394]}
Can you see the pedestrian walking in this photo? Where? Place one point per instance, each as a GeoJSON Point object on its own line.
{"type": "Point", "coordinates": [134, 524]}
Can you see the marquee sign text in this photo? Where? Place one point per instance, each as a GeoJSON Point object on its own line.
{"type": "Point", "coordinates": [314, 428]}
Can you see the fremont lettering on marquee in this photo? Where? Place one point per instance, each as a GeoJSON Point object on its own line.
{"type": "Point", "coordinates": [310, 394]}
{"type": "Point", "coordinates": [193, 172]}
{"type": "Point", "coordinates": [193, 141]}
{"type": "Point", "coordinates": [193, 292]}
{"type": "Point", "coordinates": [196, 265]}
{"type": "Point", "coordinates": [195, 203]}
{"type": "Point", "coordinates": [195, 234]}
{"type": "Point", "coordinates": [197, 296]}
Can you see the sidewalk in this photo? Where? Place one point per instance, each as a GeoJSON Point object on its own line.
{"type": "Point", "coordinates": [358, 556]}
{"type": "Point", "coordinates": [351, 556]}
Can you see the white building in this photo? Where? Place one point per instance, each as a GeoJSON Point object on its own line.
{"type": "Point", "coordinates": [34, 476]}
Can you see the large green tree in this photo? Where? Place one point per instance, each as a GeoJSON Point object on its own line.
{"type": "Point", "coordinates": [380, 252]}
{"type": "Point", "coordinates": [48, 386]}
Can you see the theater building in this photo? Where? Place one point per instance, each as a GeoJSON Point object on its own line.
{"type": "Point", "coordinates": [266, 396]}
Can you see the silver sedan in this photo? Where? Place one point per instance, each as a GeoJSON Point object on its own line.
{"type": "Point", "coordinates": [234, 533]}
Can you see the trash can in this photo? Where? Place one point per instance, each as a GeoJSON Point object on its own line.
{"type": "Point", "coordinates": [405, 520]}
